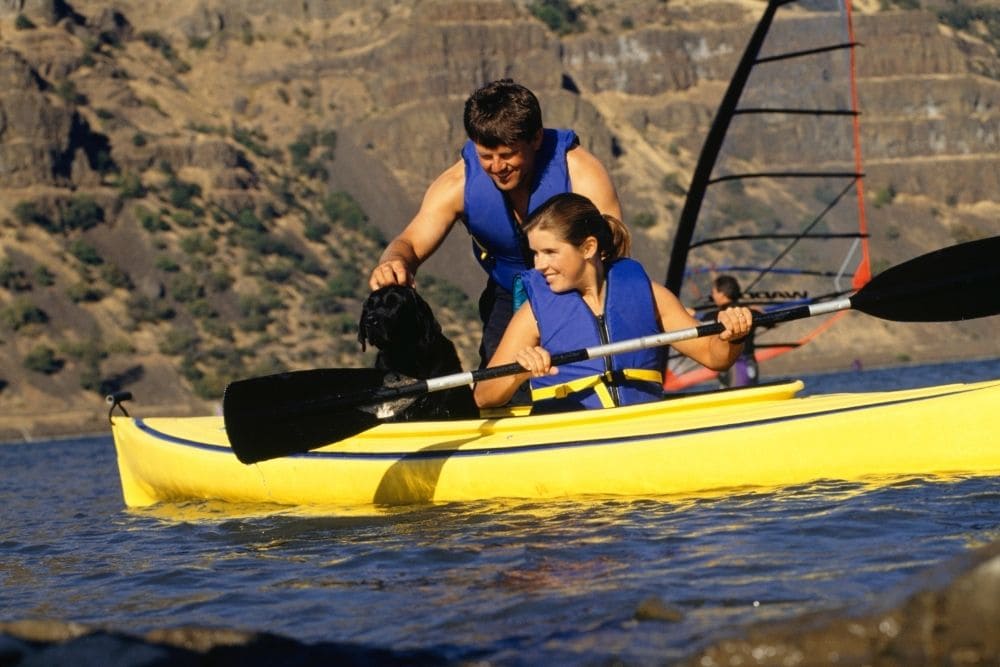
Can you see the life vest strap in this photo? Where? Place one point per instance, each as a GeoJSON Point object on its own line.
{"type": "Point", "coordinates": [599, 383]}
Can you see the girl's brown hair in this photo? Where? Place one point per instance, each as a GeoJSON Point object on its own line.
{"type": "Point", "coordinates": [572, 218]}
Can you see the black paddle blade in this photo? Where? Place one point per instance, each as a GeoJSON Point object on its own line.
{"type": "Point", "coordinates": [288, 413]}
{"type": "Point", "coordinates": [960, 282]}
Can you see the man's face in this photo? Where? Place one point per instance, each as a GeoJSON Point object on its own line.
{"type": "Point", "coordinates": [509, 166]}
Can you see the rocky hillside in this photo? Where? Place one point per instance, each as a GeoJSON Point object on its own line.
{"type": "Point", "coordinates": [194, 191]}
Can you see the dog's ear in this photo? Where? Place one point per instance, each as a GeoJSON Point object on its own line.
{"type": "Point", "coordinates": [363, 336]}
{"type": "Point", "coordinates": [429, 328]}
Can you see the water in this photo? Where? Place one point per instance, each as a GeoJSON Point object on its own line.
{"type": "Point", "coordinates": [517, 583]}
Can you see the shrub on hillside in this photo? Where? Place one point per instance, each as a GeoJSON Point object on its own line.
{"type": "Point", "coordinates": [115, 277]}
{"type": "Point", "coordinates": [85, 252]}
{"type": "Point", "coordinates": [43, 277]}
{"type": "Point", "coordinates": [185, 288]}
{"type": "Point", "coordinates": [179, 341]}
{"type": "Point", "coordinates": [341, 208]}
{"type": "Point", "coordinates": [315, 230]}
{"type": "Point", "coordinates": [21, 313]}
{"type": "Point", "coordinates": [130, 186]}
{"type": "Point", "coordinates": [182, 193]}
{"type": "Point", "coordinates": [144, 309]}
{"type": "Point", "coordinates": [81, 212]}
{"type": "Point", "coordinates": [219, 280]}
{"type": "Point", "coordinates": [42, 359]}
{"type": "Point", "coordinates": [12, 278]}
{"type": "Point", "coordinates": [558, 15]}
{"type": "Point", "coordinates": [27, 213]}
{"type": "Point", "coordinates": [84, 291]}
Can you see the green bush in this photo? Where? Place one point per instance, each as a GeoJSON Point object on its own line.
{"type": "Point", "coordinates": [165, 263]}
{"type": "Point", "coordinates": [202, 309]}
{"type": "Point", "coordinates": [85, 252]}
{"type": "Point", "coordinates": [672, 185]}
{"type": "Point", "coordinates": [22, 22]}
{"type": "Point", "coordinates": [316, 230]}
{"type": "Point", "coordinates": [185, 288]}
{"type": "Point", "coordinates": [27, 213]}
{"type": "Point", "coordinates": [144, 309]}
{"type": "Point", "coordinates": [247, 219]}
{"type": "Point", "coordinates": [42, 359]}
{"type": "Point", "coordinates": [182, 193]}
{"type": "Point", "coordinates": [130, 187]}
{"type": "Point", "coordinates": [185, 219]}
{"type": "Point", "coordinates": [643, 220]}
{"type": "Point", "coordinates": [558, 15]}
{"type": "Point", "coordinates": [150, 220]}
{"type": "Point", "coordinates": [341, 208]}
{"type": "Point", "coordinates": [66, 89]}
{"type": "Point", "coordinates": [346, 282]}
{"type": "Point", "coordinates": [279, 270]}
{"type": "Point", "coordinates": [218, 329]}
{"type": "Point", "coordinates": [81, 213]}
{"type": "Point", "coordinates": [885, 196]}
{"type": "Point", "coordinates": [197, 244]}
{"type": "Point", "coordinates": [179, 341]}
{"type": "Point", "coordinates": [114, 276]}
{"type": "Point", "coordinates": [43, 276]}
{"type": "Point", "coordinates": [22, 312]}
{"type": "Point", "coordinates": [219, 280]}
{"type": "Point", "coordinates": [12, 278]}
{"type": "Point", "coordinates": [83, 291]}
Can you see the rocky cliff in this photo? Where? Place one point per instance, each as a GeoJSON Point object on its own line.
{"type": "Point", "coordinates": [193, 191]}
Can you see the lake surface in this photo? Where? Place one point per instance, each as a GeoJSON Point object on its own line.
{"type": "Point", "coordinates": [514, 583]}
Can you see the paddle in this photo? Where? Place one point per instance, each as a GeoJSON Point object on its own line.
{"type": "Point", "coordinates": [278, 415]}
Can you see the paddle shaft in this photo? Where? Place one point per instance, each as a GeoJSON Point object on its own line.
{"type": "Point", "coordinates": [608, 349]}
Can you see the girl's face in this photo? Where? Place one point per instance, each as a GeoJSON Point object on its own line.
{"type": "Point", "coordinates": [563, 264]}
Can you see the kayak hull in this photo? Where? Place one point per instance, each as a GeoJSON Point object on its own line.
{"type": "Point", "coordinates": [760, 437]}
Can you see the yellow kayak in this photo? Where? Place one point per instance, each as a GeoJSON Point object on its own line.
{"type": "Point", "coordinates": [763, 437]}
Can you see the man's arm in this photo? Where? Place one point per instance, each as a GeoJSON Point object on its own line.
{"type": "Point", "coordinates": [591, 179]}
{"type": "Point", "coordinates": [441, 207]}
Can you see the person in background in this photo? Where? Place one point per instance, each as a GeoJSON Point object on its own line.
{"type": "Point", "coordinates": [726, 293]}
{"type": "Point", "coordinates": [585, 291]}
{"type": "Point", "coordinates": [509, 166]}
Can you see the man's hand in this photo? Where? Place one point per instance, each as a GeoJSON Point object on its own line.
{"type": "Point", "coordinates": [391, 272]}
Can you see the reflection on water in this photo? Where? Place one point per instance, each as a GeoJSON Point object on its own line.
{"type": "Point", "coordinates": [517, 582]}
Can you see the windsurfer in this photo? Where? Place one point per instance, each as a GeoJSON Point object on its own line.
{"type": "Point", "coordinates": [585, 291]}
{"type": "Point", "coordinates": [726, 293]}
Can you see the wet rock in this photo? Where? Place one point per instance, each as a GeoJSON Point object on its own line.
{"type": "Point", "coordinates": [953, 618]}
{"type": "Point", "coordinates": [655, 609]}
{"type": "Point", "coordinates": [40, 642]}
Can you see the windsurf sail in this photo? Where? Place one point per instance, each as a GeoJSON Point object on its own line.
{"type": "Point", "coordinates": [776, 199]}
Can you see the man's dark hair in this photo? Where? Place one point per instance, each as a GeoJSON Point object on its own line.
{"type": "Point", "coordinates": [730, 287]}
{"type": "Point", "coordinates": [502, 113]}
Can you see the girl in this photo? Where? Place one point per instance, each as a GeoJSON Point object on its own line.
{"type": "Point", "coordinates": [585, 291]}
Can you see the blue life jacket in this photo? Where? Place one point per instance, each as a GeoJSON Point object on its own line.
{"type": "Point", "coordinates": [566, 323]}
{"type": "Point", "coordinates": [497, 240]}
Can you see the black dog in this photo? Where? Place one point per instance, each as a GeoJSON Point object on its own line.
{"type": "Point", "coordinates": [397, 321]}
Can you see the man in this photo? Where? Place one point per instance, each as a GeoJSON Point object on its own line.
{"type": "Point", "coordinates": [509, 166]}
{"type": "Point", "coordinates": [726, 293]}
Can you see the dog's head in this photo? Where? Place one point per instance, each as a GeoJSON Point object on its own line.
{"type": "Point", "coordinates": [396, 316]}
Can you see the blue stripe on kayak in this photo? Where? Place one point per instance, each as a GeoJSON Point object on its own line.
{"type": "Point", "coordinates": [450, 453]}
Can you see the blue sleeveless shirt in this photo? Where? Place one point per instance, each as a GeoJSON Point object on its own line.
{"type": "Point", "coordinates": [566, 323]}
{"type": "Point", "coordinates": [497, 240]}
